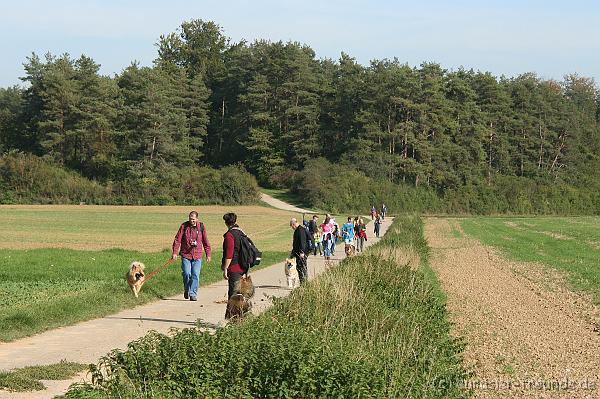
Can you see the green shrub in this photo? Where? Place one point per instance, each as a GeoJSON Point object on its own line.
{"type": "Point", "coordinates": [336, 188]}
{"type": "Point", "coordinates": [26, 178]}
{"type": "Point", "coordinates": [32, 179]}
{"type": "Point", "coordinates": [342, 189]}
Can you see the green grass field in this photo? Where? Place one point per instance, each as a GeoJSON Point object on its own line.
{"type": "Point", "coordinates": [568, 244]}
{"type": "Point", "coordinates": [80, 273]}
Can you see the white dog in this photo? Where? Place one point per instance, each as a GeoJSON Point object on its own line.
{"type": "Point", "coordinates": [291, 273]}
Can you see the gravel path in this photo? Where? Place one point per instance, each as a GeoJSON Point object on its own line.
{"type": "Point", "coordinates": [86, 342]}
{"type": "Point", "coordinates": [526, 335]}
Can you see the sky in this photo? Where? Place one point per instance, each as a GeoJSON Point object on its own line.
{"type": "Point", "coordinates": [550, 38]}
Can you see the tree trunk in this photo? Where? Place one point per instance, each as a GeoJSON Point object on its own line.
{"type": "Point", "coordinates": [222, 124]}
{"type": "Point", "coordinates": [562, 138]}
{"type": "Point", "coordinates": [541, 147]}
{"type": "Point", "coordinates": [153, 147]}
{"type": "Point", "coordinates": [489, 171]}
{"type": "Point", "coordinates": [522, 151]}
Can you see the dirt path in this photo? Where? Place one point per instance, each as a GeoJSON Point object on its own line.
{"type": "Point", "coordinates": [86, 342]}
{"type": "Point", "coordinates": [274, 202]}
{"type": "Point", "coordinates": [526, 336]}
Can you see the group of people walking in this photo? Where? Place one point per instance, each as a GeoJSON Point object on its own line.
{"type": "Point", "coordinates": [353, 232]}
{"type": "Point", "coordinates": [189, 242]}
{"type": "Point", "coordinates": [310, 237]}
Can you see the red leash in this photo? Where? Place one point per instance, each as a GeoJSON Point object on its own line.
{"type": "Point", "coordinates": [157, 270]}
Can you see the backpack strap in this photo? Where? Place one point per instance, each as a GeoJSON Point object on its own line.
{"type": "Point", "coordinates": [238, 229]}
{"type": "Point", "coordinates": [246, 271]}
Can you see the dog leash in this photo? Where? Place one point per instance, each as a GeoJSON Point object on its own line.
{"type": "Point", "coordinates": [158, 269]}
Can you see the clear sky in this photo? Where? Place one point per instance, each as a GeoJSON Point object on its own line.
{"type": "Point", "coordinates": [551, 38]}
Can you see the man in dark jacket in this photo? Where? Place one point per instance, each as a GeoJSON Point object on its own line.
{"type": "Point", "coordinates": [189, 241]}
{"type": "Point", "coordinates": [299, 249]}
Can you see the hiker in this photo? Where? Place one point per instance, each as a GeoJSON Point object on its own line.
{"type": "Point", "coordinates": [318, 243]}
{"type": "Point", "coordinates": [348, 234]}
{"type": "Point", "coordinates": [313, 228]}
{"type": "Point", "coordinates": [335, 234]}
{"type": "Point", "coordinates": [326, 237]}
{"type": "Point", "coordinates": [361, 234]}
{"type": "Point", "coordinates": [377, 225]}
{"type": "Point", "coordinates": [232, 271]}
{"type": "Point", "coordinates": [383, 211]}
{"type": "Point", "coordinates": [300, 249]}
{"type": "Point", "coordinates": [189, 241]}
{"type": "Point", "coordinates": [373, 212]}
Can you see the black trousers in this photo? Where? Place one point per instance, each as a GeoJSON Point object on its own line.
{"type": "Point", "coordinates": [302, 267]}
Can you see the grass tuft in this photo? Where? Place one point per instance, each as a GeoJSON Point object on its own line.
{"type": "Point", "coordinates": [28, 378]}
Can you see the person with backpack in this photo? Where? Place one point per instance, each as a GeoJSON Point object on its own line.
{"type": "Point", "coordinates": [300, 249]}
{"type": "Point", "coordinates": [189, 241]}
{"type": "Point", "coordinates": [237, 259]}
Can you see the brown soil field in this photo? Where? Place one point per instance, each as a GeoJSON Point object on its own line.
{"type": "Point", "coordinates": [526, 335]}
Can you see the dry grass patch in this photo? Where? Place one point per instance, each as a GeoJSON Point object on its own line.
{"type": "Point", "coordinates": [403, 256]}
{"type": "Point", "coordinates": [140, 228]}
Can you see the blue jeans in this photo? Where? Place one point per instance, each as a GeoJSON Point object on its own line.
{"type": "Point", "coordinates": [326, 248]}
{"type": "Point", "coordinates": [190, 270]}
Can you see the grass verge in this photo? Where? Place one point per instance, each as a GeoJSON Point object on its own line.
{"type": "Point", "coordinates": [28, 378]}
{"type": "Point", "coordinates": [42, 289]}
{"type": "Point", "coordinates": [373, 327]}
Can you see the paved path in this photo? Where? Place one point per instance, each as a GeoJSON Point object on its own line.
{"type": "Point", "coordinates": [86, 342]}
{"type": "Point", "coordinates": [274, 202]}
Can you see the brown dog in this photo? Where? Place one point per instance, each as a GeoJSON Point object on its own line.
{"type": "Point", "coordinates": [239, 304]}
{"type": "Point", "coordinates": [350, 250]}
{"type": "Point", "coordinates": [135, 277]}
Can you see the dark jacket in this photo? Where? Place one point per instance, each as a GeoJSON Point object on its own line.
{"type": "Point", "coordinates": [231, 249]}
{"type": "Point", "coordinates": [312, 227]}
{"type": "Point", "coordinates": [299, 244]}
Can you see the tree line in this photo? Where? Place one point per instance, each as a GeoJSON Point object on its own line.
{"type": "Point", "coordinates": [273, 107]}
